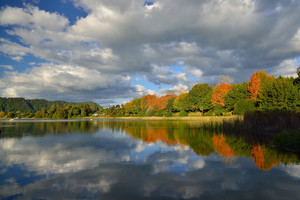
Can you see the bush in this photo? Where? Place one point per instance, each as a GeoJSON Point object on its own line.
{"type": "Point", "coordinates": [219, 110]}
{"type": "Point", "coordinates": [120, 114]}
{"type": "Point", "coordinates": [243, 106]}
{"type": "Point", "coordinates": [150, 112]}
{"type": "Point", "coordinates": [141, 114]}
{"type": "Point", "coordinates": [183, 114]}
{"type": "Point", "coordinates": [158, 113]}
{"type": "Point", "coordinates": [168, 114]}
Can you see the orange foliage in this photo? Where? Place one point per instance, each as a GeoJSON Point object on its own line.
{"type": "Point", "coordinates": [219, 93]}
{"type": "Point", "coordinates": [152, 135]}
{"type": "Point", "coordinates": [255, 83]}
{"type": "Point", "coordinates": [147, 101]}
{"type": "Point", "coordinates": [258, 154]}
{"type": "Point", "coordinates": [161, 103]}
{"type": "Point", "coordinates": [221, 147]}
{"type": "Point", "coordinates": [2, 114]}
{"type": "Point", "coordinates": [180, 102]}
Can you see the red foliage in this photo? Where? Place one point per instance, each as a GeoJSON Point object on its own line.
{"type": "Point", "coordinates": [219, 93]}
{"type": "Point", "coordinates": [161, 103]}
{"type": "Point", "coordinates": [255, 83]}
{"type": "Point", "coordinates": [152, 135]}
{"type": "Point", "coordinates": [258, 154]}
{"type": "Point", "coordinates": [2, 114]}
{"type": "Point", "coordinates": [221, 147]}
{"type": "Point", "coordinates": [147, 101]}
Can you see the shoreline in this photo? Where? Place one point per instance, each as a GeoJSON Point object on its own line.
{"type": "Point", "coordinates": [152, 118]}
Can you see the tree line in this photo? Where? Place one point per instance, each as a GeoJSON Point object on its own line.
{"type": "Point", "coordinates": [263, 92]}
{"type": "Point", "coordinates": [41, 108]}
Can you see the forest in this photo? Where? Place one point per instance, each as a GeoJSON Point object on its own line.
{"type": "Point", "coordinates": [262, 93]}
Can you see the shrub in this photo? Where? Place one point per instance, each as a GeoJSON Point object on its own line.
{"type": "Point", "coordinates": [168, 114]}
{"type": "Point", "coordinates": [158, 113]}
{"type": "Point", "coordinates": [243, 106]}
{"type": "Point", "coordinates": [219, 110]}
{"type": "Point", "coordinates": [141, 114]}
{"type": "Point", "coordinates": [183, 114]}
{"type": "Point", "coordinates": [150, 112]}
{"type": "Point", "coordinates": [120, 114]}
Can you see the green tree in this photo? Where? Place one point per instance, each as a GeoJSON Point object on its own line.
{"type": "Point", "coordinates": [280, 94]}
{"type": "Point", "coordinates": [237, 93]}
{"type": "Point", "coordinates": [200, 97]}
{"type": "Point", "coordinates": [243, 106]}
{"type": "Point", "coordinates": [296, 82]}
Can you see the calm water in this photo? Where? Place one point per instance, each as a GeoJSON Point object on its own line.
{"type": "Point", "coordinates": [139, 160]}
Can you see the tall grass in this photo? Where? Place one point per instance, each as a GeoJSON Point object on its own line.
{"type": "Point", "coordinates": [260, 122]}
{"type": "Point", "coordinates": [272, 120]}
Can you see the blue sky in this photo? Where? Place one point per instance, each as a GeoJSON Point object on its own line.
{"type": "Point", "coordinates": [113, 51]}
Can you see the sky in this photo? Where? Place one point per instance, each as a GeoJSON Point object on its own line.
{"type": "Point", "coordinates": [112, 51]}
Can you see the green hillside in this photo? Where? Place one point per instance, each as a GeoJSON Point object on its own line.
{"type": "Point", "coordinates": [33, 105]}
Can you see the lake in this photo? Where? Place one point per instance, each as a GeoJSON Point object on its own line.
{"type": "Point", "coordinates": [115, 159]}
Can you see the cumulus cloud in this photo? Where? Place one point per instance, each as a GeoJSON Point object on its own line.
{"type": "Point", "coordinates": [118, 39]}
{"type": "Point", "coordinates": [66, 82]}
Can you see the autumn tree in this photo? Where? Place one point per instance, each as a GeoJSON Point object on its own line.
{"type": "Point", "coordinates": [162, 102]}
{"type": "Point", "coordinates": [181, 102]}
{"type": "Point", "coordinates": [147, 101]}
{"type": "Point", "coordinates": [257, 80]}
{"type": "Point", "coordinates": [221, 146]}
{"type": "Point", "coordinates": [133, 107]}
{"type": "Point", "coordinates": [2, 114]}
{"type": "Point", "coordinates": [219, 93]}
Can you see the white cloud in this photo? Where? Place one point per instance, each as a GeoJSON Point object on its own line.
{"type": "Point", "coordinates": [59, 81]}
{"type": "Point", "coordinates": [293, 170]}
{"type": "Point", "coordinates": [286, 68]}
{"type": "Point", "coordinates": [9, 67]}
{"type": "Point", "coordinates": [32, 16]}
{"type": "Point", "coordinates": [141, 90]}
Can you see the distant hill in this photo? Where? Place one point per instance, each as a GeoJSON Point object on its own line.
{"type": "Point", "coordinates": [33, 105]}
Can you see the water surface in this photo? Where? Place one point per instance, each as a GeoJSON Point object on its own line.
{"type": "Point", "coordinates": [139, 160]}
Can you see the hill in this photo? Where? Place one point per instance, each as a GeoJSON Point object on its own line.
{"type": "Point", "coordinates": [33, 105]}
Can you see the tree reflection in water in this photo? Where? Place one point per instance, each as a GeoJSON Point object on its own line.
{"type": "Point", "coordinates": [199, 136]}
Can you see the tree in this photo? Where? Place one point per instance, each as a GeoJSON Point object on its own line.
{"type": "Point", "coordinates": [200, 97]}
{"type": "Point", "coordinates": [280, 94]}
{"type": "Point", "coordinates": [162, 102]}
{"type": "Point", "coordinates": [237, 93]}
{"type": "Point", "coordinates": [2, 114]}
{"type": "Point", "coordinates": [133, 107]}
{"type": "Point", "coordinates": [181, 102]}
{"type": "Point", "coordinates": [219, 93]}
{"type": "Point", "coordinates": [257, 80]}
{"type": "Point", "coordinates": [147, 101]}
{"type": "Point", "coordinates": [296, 82]}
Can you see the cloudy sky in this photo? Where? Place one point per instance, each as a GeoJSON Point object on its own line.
{"type": "Point", "coordinates": [111, 51]}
